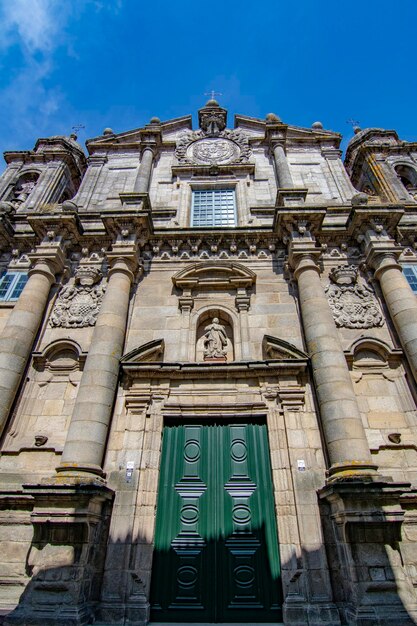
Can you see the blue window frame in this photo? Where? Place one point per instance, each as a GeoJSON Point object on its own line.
{"type": "Point", "coordinates": [410, 272]}
{"type": "Point", "coordinates": [213, 207]}
{"type": "Point", "coordinates": [11, 285]}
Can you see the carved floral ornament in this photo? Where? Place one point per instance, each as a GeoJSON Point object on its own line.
{"type": "Point", "coordinates": [78, 304]}
{"type": "Point", "coordinates": [353, 304]}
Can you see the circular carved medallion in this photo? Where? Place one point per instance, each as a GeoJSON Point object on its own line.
{"type": "Point", "coordinates": [213, 151]}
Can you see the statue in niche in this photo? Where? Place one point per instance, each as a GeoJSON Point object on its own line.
{"type": "Point", "coordinates": [215, 340]}
{"type": "Point", "coordinates": [23, 190]}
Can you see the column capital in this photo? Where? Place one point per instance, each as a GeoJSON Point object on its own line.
{"type": "Point", "coordinates": [125, 263]}
{"type": "Point", "coordinates": [48, 258]}
{"type": "Point", "coordinates": [150, 138]}
{"type": "Point", "coordinates": [276, 134]}
{"type": "Point", "coordinates": [381, 256]}
{"type": "Point", "coordinates": [149, 147]}
{"type": "Point", "coordinates": [303, 254]}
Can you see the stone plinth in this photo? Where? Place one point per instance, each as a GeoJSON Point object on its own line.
{"type": "Point", "coordinates": [66, 555]}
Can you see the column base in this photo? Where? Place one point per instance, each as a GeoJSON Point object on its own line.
{"type": "Point", "coordinates": [296, 613]}
{"type": "Point", "coordinates": [291, 197]}
{"type": "Point", "coordinates": [78, 474]}
{"type": "Point", "coordinates": [354, 470]}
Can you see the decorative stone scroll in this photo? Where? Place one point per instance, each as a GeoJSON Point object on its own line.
{"type": "Point", "coordinates": [353, 304]}
{"type": "Point", "coordinates": [229, 146]}
{"type": "Point", "coordinates": [78, 304]}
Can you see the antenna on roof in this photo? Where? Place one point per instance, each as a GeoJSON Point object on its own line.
{"type": "Point", "coordinates": [355, 125]}
{"type": "Point", "coordinates": [352, 122]}
{"type": "Point", "coordinates": [77, 127]}
{"type": "Point", "coordinates": [75, 130]}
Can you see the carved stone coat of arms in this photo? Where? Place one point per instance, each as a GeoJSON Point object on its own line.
{"type": "Point", "coordinates": [353, 304]}
{"type": "Point", "coordinates": [78, 304]}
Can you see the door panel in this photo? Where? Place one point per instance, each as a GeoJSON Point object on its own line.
{"type": "Point", "coordinates": [216, 548]}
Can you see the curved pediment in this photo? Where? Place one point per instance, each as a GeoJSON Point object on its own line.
{"type": "Point", "coordinates": [275, 348]}
{"type": "Point", "coordinates": [215, 275]}
{"type": "Point", "coordinates": [151, 351]}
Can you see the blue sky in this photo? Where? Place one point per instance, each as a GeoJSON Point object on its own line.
{"type": "Point", "coordinates": [117, 63]}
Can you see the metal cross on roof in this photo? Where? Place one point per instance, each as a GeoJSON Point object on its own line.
{"type": "Point", "coordinates": [213, 94]}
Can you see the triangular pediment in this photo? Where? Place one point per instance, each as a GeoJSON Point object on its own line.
{"type": "Point", "coordinates": [152, 351]}
{"type": "Point", "coordinates": [278, 349]}
{"type": "Point", "coordinates": [135, 135]}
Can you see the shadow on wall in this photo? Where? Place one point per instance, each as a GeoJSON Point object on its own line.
{"type": "Point", "coordinates": [223, 578]}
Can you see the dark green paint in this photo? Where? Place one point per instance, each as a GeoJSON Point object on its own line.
{"type": "Point", "coordinates": [216, 548]}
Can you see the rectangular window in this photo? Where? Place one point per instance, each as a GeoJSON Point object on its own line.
{"type": "Point", "coordinates": [410, 272]}
{"type": "Point", "coordinates": [11, 285]}
{"type": "Point", "coordinates": [213, 207]}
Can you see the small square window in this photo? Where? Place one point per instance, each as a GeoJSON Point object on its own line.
{"type": "Point", "coordinates": [11, 285]}
{"type": "Point", "coordinates": [213, 207]}
{"type": "Point", "coordinates": [410, 272]}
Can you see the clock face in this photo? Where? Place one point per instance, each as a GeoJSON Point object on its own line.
{"type": "Point", "coordinates": [213, 151]}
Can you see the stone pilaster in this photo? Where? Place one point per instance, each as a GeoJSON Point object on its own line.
{"type": "Point", "coordinates": [344, 433]}
{"type": "Point", "coordinates": [86, 440]}
{"type": "Point", "coordinates": [21, 328]}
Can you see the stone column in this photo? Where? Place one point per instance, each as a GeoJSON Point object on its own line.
{"type": "Point", "coordinates": [23, 323]}
{"type": "Point", "coordinates": [145, 168]}
{"type": "Point", "coordinates": [344, 433]}
{"type": "Point", "coordinates": [284, 178]}
{"type": "Point", "coordinates": [86, 440]}
{"type": "Point", "coordinates": [398, 295]}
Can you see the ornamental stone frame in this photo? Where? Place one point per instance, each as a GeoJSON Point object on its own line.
{"type": "Point", "coordinates": [198, 280]}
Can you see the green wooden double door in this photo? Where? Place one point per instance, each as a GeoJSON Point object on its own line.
{"type": "Point", "coordinates": [216, 547]}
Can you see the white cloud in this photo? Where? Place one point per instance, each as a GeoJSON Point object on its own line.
{"type": "Point", "coordinates": [34, 24]}
{"type": "Point", "coordinates": [37, 29]}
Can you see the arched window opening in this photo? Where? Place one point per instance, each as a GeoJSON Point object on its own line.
{"type": "Point", "coordinates": [66, 195]}
{"type": "Point", "coordinates": [408, 177]}
{"type": "Point", "coordinates": [24, 187]}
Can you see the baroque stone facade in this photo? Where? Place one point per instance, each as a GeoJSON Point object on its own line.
{"type": "Point", "coordinates": [208, 366]}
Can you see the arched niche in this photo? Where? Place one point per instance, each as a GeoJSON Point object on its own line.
{"type": "Point", "coordinates": [407, 175]}
{"type": "Point", "coordinates": [60, 357]}
{"type": "Point", "coordinates": [384, 391]}
{"type": "Point", "coordinates": [370, 352]}
{"type": "Point", "coordinates": [24, 186]}
{"type": "Point", "coordinates": [203, 320]}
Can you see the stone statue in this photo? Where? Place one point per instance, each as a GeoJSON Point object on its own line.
{"type": "Point", "coordinates": [215, 340]}
{"type": "Point", "coordinates": [23, 190]}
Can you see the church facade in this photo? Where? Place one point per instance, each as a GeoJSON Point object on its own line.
{"type": "Point", "coordinates": [208, 366]}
